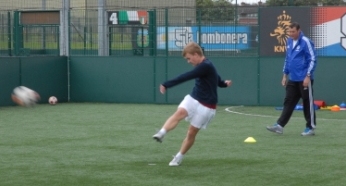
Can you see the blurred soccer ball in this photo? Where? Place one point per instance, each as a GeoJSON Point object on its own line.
{"type": "Point", "coordinates": [53, 100]}
{"type": "Point", "coordinates": [24, 96]}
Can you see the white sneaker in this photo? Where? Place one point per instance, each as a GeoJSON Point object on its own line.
{"type": "Point", "coordinates": [276, 128]}
{"type": "Point", "coordinates": [158, 137]}
{"type": "Point", "coordinates": [175, 162]}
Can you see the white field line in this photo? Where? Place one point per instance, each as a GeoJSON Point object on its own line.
{"type": "Point", "coordinates": [230, 110]}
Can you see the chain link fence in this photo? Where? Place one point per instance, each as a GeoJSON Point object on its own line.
{"type": "Point", "coordinates": [146, 27]}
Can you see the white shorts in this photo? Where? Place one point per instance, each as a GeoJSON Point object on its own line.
{"type": "Point", "coordinates": [198, 115]}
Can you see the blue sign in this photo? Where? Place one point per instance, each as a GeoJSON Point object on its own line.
{"type": "Point", "coordinates": [214, 38]}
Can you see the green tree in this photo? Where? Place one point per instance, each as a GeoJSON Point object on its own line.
{"type": "Point", "coordinates": [205, 10]}
{"type": "Point", "coordinates": [223, 11]}
{"type": "Point", "coordinates": [304, 2]}
{"type": "Point", "coordinates": [214, 10]}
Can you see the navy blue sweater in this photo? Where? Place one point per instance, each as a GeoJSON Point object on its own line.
{"type": "Point", "coordinates": [206, 82]}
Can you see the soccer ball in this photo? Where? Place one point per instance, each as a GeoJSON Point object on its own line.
{"type": "Point", "coordinates": [24, 96]}
{"type": "Point", "coordinates": [53, 100]}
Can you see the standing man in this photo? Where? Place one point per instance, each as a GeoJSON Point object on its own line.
{"type": "Point", "coordinates": [300, 64]}
{"type": "Point", "coordinates": [198, 108]}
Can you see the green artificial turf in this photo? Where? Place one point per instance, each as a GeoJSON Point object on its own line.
{"type": "Point", "coordinates": [111, 144]}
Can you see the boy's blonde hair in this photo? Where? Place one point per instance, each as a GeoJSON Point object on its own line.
{"type": "Point", "coordinates": [192, 48]}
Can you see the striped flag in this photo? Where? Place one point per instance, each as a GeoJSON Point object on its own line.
{"type": "Point", "coordinates": [128, 17]}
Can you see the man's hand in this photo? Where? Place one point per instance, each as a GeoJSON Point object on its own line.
{"type": "Point", "coordinates": [284, 80]}
{"type": "Point", "coordinates": [162, 89]}
{"type": "Point", "coordinates": [306, 81]}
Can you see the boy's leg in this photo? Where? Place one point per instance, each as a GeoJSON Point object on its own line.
{"type": "Point", "coordinates": [173, 120]}
{"type": "Point", "coordinates": [189, 139]}
{"type": "Point", "coordinates": [185, 146]}
{"type": "Point", "coordinates": [171, 123]}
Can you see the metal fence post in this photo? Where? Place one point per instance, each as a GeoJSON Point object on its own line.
{"type": "Point", "coordinates": [44, 28]}
{"type": "Point", "coordinates": [9, 34]}
{"type": "Point", "coordinates": [84, 39]}
{"type": "Point", "coordinates": [65, 28]}
{"type": "Point", "coordinates": [18, 34]}
{"type": "Point", "coordinates": [153, 31]}
{"type": "Point", "coordinates": [102, 29]}
{"type": "Point", "coordinates": [2, 27]}
{"type": "Point", "coordinates": [199, 26]}
{"type": "Point", "coordinates": [110, 40]}
{"type": "Point", "coordinates": [166, 30]}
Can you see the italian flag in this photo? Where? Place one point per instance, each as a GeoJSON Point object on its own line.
{"type": "Point", "coordinates": [133, 17]}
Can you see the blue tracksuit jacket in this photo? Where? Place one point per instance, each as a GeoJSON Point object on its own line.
{"type": "Point", "coordinates": [301, 59]}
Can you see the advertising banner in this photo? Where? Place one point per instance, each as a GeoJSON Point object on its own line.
{"type": "Point", "coordinates": [274, 22]}
{"type": "Point", "coordinates": [329, 30]}
{"type": "Point", "coordinates": [212, 38]}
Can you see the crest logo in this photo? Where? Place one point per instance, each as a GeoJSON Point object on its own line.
{"type": "Point", "coordinates": [280, 32]}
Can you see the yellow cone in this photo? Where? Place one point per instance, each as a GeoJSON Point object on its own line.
{"type": "Point", "coordinates": [250, 140]}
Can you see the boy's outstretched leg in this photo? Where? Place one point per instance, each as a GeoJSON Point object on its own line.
{"type": "Point", "coordinates": [170, 123]}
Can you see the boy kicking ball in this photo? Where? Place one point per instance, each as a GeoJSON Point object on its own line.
{"type": "Point", "coordinates": [199, 106]}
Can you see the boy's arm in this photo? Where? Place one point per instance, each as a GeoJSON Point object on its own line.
{"type": "Point", "coordinates": [223, 83]}
{"type": "Point", "coordinates": [194, 73]}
